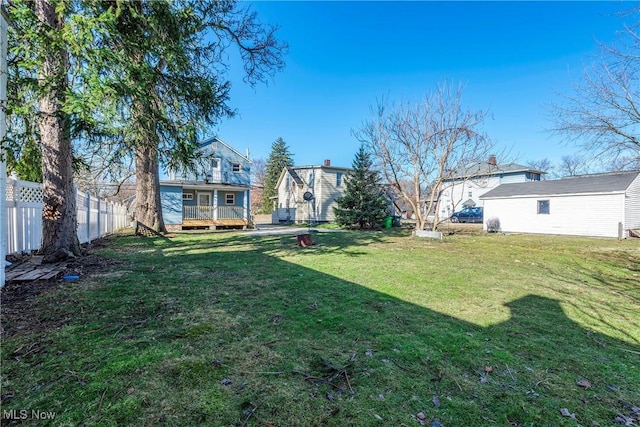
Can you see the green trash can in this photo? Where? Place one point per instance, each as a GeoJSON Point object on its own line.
{"type": "Point", "coordinates": [388, 222]}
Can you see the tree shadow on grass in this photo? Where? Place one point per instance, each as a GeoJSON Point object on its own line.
{"type": "Point", "coordinates": [324, 242]}
{"type": "Point", "coordinates": [246, 338]}
{"type": "Point", "coordinates": [599, 277]}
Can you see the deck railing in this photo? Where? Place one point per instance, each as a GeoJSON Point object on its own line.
{"type": "Point", "coordinates": [213, 213]}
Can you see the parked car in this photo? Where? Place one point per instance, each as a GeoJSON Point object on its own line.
{"type": "Point", "coordinates": [468, 215]}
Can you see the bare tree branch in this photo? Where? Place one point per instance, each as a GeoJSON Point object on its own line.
{"type": "Point", "coordinates": [423, 143]}
{"type": "Point", "coordinates": [601, 115]}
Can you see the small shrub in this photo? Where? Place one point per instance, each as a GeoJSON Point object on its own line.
{"type": "Point", "coordinates": [493, 225]}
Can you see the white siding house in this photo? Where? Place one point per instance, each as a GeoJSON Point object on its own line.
{"type": "Point", "coordinates": [465, 186]}
{"type": "Point", "coordinates": [603, 205]}
{"type": "Point", "coordinates": [325, 182]}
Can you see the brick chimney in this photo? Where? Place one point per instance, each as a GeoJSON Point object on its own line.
{"type": "Point", "coordinates": [327, 162]}
{"type": "Point", "coordinates": [492, 160]}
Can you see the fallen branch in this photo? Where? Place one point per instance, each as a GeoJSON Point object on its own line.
{"type": "Point", "coordinates": [411, 371]}
{"type": "Point", "coordinates": [346, 377]}
{"type": "Point", "coordinates": [101, 399]}
{"type": "Point", "coordinates": [313, 378]}
{"type": "Point", "coordinates": [263, 372]}
{"type": "Point", "coordinates": [630, 351]}
{"type": "Point", "coordinates": [249, 413]}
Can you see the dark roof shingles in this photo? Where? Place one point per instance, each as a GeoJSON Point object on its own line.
{"type": "Point", "coordinates": [601, 183]}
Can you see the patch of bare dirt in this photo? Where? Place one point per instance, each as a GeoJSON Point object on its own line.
{"type": "Point", "coordinates": [20, 302]}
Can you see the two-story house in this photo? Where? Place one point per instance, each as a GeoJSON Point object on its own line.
{"type": "Point", "coordinates": [464, 186]}
{"type": "Point", "coordinates": [216, 196]}
{"type": "Point", "coordinates": [321, 184]}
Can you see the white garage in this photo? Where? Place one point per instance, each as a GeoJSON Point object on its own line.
{"type": "Point", "coordinates": [603, 205]}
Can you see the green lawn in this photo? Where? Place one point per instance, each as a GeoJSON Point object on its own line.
{"type": "Point", "coordinates": [379, 328]}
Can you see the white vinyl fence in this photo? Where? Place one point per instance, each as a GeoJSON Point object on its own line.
{"type": "Point", "coordinates": [96, 218]}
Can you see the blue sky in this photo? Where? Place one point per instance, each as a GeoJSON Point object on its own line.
{"type": "Point", "coordinates": [512, 57]}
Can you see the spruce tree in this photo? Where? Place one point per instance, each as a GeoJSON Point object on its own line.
{"type": "Point", "coordinates": [363, 204]}
{"type": "Point", "coordinates": [127, 82]}
{"type": "Point", "coordinates": [279, 158]}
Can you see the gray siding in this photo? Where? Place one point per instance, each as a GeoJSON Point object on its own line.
{"type": "Point", "coordinates": [329, 191]}
{"type": "Point", "coordinates": [509, 179]}
{"type": "Point", "coordinates": [632, 206]}
{"type": "Point", "coordinates": [321, 181]}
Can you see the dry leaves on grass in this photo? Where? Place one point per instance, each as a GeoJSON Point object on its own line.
{"type": "Point", "coordinates": [566, 413]}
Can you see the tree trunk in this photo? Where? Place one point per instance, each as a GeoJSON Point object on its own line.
{"type": "Point", "coordinates": [59, 216]}
{"type": "Point", "coordinates": [148, 207]}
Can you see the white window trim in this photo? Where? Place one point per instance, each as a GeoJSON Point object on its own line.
{"type": "Point", "coordinates": [548, 212]}
{"type": "Point", "coordinates": [233, 167]}
{"type": "Point", "coordinates": [226, 199]}
{"type": "Point", "coordinates": [187, 196]}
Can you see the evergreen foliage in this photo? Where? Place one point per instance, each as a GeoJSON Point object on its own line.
{"type": "Point", "coordinates": [363, 204]}
{"type": "Point", "coordinates": [279, 158]}
{"type": "Point", "coordinates": [132, 82]}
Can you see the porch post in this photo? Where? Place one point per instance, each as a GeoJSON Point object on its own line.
{"type": "Point", "coordinates": [215, 205]}
{"type": "Point", "coordinates": [245, 210]}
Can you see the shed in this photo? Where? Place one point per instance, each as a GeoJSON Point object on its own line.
{"type": "Point", "coordinates": [600, 205]}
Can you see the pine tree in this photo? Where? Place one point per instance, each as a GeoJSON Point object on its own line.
{"type": "Point", "coordinates": [363, 204]}
{"type": "Point", "coordinates": [279, 158]}
{"type": "Point", "coordinates": [127, 82]}
{"type": "Point", "coordinates": [174, 83]}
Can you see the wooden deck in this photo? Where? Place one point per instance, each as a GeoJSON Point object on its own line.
{"type": "Point", "coordinates": [214, 224]}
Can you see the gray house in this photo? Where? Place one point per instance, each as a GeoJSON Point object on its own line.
{"type": "Point", "coordinates": [604, 205]}
{"type": "Point", "coordinates": [322, 183]}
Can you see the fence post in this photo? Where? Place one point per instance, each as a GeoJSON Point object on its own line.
{"type": "Point", "coordinates": [99, 228]}
{"type": "Point", "coordinates": [88, 202]}
{"type": "Point", "coordinates": [19, 217]}
{"type": "Point", "coordinates": [109, 218]}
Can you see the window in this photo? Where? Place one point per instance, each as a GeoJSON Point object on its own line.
{"type": "Point", "coordinates": [470, 193]}
{"type": "Point", "coordinates": [235, 167]}
{"type": "Point", "coordinates": [543, 207]}
{"type": "Point", "coordinates": [187, 196]}
{"type": "Point", "coordinates": [338, 179]}
{"type": "Point", "coordinates": [229, 199]}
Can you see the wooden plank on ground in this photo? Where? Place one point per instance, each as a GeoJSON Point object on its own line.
{"type": "Point", "coordinates": [31, 275]}
{"type": "Point", "coordinates": [52, 274]}
{"type": "Point", "coordinates": [17, 270]}
{"type": "Point", "coordinates": [28, 272]}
